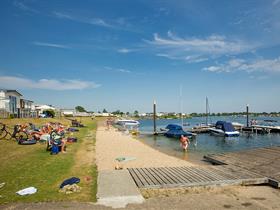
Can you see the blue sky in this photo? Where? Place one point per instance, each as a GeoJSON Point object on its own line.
{"type": "Point", "coordinates": [123, 54]}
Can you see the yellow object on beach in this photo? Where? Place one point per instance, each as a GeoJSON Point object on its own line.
{"type": "Point", "coordinates": [134, 132]}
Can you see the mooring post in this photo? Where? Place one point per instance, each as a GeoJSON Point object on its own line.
{"type": "Point", "coordinates": [247, 113]}
{"type": "Point", "coordinates": [154, 116]}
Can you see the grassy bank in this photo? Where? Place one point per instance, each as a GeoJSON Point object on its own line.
{"type": "Point", "coordinates": [23, 166]}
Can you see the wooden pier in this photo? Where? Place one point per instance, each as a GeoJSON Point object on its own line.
{"type": "Point", "coordinates": [172, 177]}
{"type": "Point", "coordinates": [262, 161]}
{"type": "Point", "coordinates": [262, 129]}
{"type": "Point", "coordinates": [199, 129]}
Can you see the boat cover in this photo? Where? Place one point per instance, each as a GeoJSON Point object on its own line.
{"type": "Point", "coordinates": [225, 126]}
{"type": "Point", "coordinates": [174, 127]}
{"type": "Point", "coordinates": [176, 131]}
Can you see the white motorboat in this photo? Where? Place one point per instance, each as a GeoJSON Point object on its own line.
{"type": "Point", "coordinates": [225, 129]}
{"type": "Point", "coordinates": [125, 122]}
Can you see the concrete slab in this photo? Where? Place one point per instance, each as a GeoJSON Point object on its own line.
{"type": "Point", "coordinates": [117, 189]}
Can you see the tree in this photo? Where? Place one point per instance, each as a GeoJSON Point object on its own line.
{"type": "Point", "coordinates": [49, 113]}
{"type": "Point", "coordinates": [105, 111]}
{"type": "Point", "coordinates": [116, 112]}
{"type": "Point", "coordinates": [80, 109]}
{"type": "Point", "coordinates": [136, 113]}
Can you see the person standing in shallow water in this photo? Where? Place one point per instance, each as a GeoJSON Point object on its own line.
{"type": "Point", "coordinates": [184, 142]}
{"type": "Point", "coordinates": [108, 122]}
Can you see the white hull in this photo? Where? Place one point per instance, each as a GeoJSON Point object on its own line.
{"type": "Point", "coordinates": [220, 132]}
{"type": "Point", "coordinates": [128, 122]}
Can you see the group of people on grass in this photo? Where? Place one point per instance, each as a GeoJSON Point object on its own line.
{"type": "Point", "coordinates": [52, 133]}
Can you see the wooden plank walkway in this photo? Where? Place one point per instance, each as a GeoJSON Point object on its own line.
{"type": "Point", "coordinates": [168, 177]}
{"type": "Point", "coordinates": [263, 161]}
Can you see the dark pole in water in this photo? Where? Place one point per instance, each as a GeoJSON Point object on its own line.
{"type": "Point", "coordinates": [247, 113]}
{"type": "Point", "coordinates": [206, 111]}
{"type": "Point", "coordinates": [155, 113]}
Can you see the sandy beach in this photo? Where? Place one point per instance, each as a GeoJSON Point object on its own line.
{"type": "Point", "coordinates": [111, 144]}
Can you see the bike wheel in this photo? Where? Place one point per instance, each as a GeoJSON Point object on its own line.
{"type": "Point", "coordinates": [3, 134]}
{"type": "Point", "coordinates": [21, 135]}
{"type": "Point", "coordinates": [2, 126]}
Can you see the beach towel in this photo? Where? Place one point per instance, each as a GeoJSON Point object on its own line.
{"type": "Point", "coordinates": [27, 141]}
{"type": "Point", "coordinates": [73, 180]}
{"type": "Point", "coordinates": [72, 139]}
{"type": "Point", "coordinates": [45, 137]}
{"type": "Point", "coordinates": [27, 191]}
{"type": "Point", "coordinates": [124, 159]}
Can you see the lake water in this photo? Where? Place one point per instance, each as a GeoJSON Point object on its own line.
{"type": "Point", "coordinates": [205, 143]}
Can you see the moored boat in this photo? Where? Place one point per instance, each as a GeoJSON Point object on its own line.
{"type": "Point", "coordinates": [223, 128]}
{"type": "Point", "coordinates": [125, 122]}
{"type": "Point", "coordinates": [175, 131]}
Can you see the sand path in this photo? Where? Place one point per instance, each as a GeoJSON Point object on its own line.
{"type": "Point", "coordinates": [111, 144]}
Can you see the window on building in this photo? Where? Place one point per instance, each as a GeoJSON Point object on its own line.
{"type": "Point", "coordinates": [13, 104]}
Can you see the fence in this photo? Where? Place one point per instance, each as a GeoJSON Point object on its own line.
{"type": "Point", "coordinates": [23, 114]}
{"type": "Point", "coordinates": [4, 113]}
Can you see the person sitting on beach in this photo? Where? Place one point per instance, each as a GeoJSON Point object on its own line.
{"type": "Point", "coordinates": [58, 140]}
{"type": "Point", "coordinates": [184, 142]}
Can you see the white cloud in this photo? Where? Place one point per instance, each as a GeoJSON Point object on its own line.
{"type": "Point", "coordinates": [195, 59]}
{"type": "Point", "coordinates": [99, 22]}
{"type": "Point", "coordinates": [213, 69]}
{"type": "Point", "coordinates": [202, 48]}
{"type": "Point", "coordinates": [125, 50]}
{"type": "Point", "coordinates": [24, 7]}
{"type": "Point", "coordinates": [117, 69]}
{"type": "Point", "coordinates": [45, 44]}
{"type": "Point", "coordinates": [275, 2]}
{"type": "Point", "coordinates": [63, 15]}
{"type": "Point", "coordinates": [47, 84]}
{"type": "Point", "coordinates": [167, 56]}
{"type": "Point", "coordinates": [123, 70]}
{"type": "Point", "coordinates": [260, 65]}
{"type": "Point", "coordinates": [92, 21]}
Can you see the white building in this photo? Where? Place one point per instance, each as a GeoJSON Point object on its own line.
{"type": "Point", "coordinates": [41, 108]}
{"type": "Point", "coordinates": [10, 102]}
{"type": "Point", "coordinates": [102, 114]}
{"type": "Point", "coordinates": [68, 112]}
{"type": "Point", "coordinates": [27, 108]}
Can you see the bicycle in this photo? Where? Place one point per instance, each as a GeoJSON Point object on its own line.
{"type": "Point", "coordinates": [17, 133]}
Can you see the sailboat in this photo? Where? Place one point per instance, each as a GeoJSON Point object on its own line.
{"type": "Point", "coordinates": [176, 131]}
{"type": "Point", "coordinates": [204, 127]}
{"type": "Point", "coordinates": [183, 124]}
{"type": "Point", "coordinates": [207, 114]}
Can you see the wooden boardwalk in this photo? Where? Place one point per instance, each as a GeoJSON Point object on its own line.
{"type": "Point", "coordinates": [169, 177]}
{"type": "Point", "coordinates": [263, 161]}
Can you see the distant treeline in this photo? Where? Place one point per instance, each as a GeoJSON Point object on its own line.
{"type": "Point", "coordinates": [256, 114]}
{"type": "Point", "coordinates": [178, 115]}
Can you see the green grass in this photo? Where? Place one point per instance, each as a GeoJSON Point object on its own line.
{"type": "Point", "coordinates": [23, 166]}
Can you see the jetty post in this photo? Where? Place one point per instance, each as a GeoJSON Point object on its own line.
{"type": "Point", "coordinates": [154, 117]}
{"type": "Point", "coordinates": [206, 111]}
{"type": "Point", "coordinates": [247, 114]}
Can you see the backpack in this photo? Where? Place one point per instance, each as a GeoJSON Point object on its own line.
{"type": "Point", "coordinates": [54, 149]}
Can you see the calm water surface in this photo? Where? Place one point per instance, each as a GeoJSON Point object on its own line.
{"type": "Point", "coordinates": [205, 143]}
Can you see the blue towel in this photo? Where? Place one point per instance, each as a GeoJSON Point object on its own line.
{"type": "Point", "coordinates": [73, 180]}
